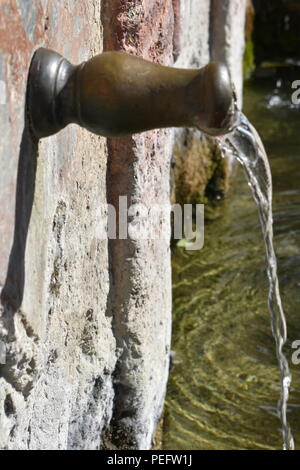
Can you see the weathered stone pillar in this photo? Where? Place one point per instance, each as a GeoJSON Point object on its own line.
{"type": "Point", "coordinates": [139, 168]}
{"type": "Point", "coordinates": [56, 388]}
{"type": "Point", "coordinates": [228, 37]}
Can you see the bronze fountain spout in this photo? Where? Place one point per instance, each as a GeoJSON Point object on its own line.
{"type": "Point", "coordinates": [116, 94]}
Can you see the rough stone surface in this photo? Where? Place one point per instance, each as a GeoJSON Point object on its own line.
{"type": "Point", "coordinates": [211, 30]}
{"type": "Point", "coordinates": [87, 322]}
{"type": "Point", "coordinates": [194, 37]}
{"type": "Point", "coordinates": [141, 274]}
{"type": "Point", "coordinates": [200, 173]}
{"type": "Point", "coordinates": [56, 388]}
{"type": "Point", "coordinates": [227, 42]}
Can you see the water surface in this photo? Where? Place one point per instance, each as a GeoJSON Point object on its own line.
{"type": "Point", "coordinates": [225, 385]}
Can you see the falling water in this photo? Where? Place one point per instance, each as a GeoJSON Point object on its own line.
{"type": "Point", "coordinates": [245, 144]}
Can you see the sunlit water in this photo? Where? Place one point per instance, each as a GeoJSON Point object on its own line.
{"type": "Point", "coordinates": [245, 144]}
{"type": "Point", "coordinates": [225, 384]}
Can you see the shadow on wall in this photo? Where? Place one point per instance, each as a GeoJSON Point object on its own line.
{"type": "Point", "coordinates": [13, 290]}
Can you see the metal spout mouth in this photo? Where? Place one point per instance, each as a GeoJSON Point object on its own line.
{"type": "Point", "coordinates": [221, 113]}
{"type": "Point", "coordinates": [231, 121]}
{"type": "Point", "coordinates": [233, 118]}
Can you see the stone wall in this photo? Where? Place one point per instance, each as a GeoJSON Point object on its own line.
{"type": "Point", "coordinates": [139, 167]}
{"type": "Point", "coordinates": [86, 322]}
{"type": "Point", "coordinates": [210, 30]}
{"type": "Point", "coordinates": [56, 388]}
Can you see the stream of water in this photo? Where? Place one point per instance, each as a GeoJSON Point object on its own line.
{"type": "Point", "coordinates": [224, 385]}
{"type": "Point", "coordinates": [245, 144]}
